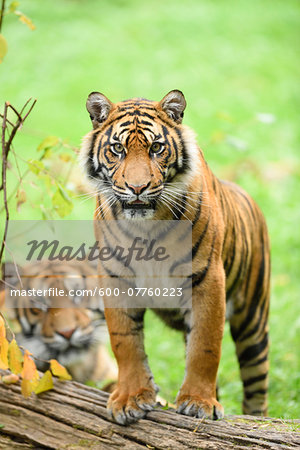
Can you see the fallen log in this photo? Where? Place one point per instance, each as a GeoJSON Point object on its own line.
{"type": "Point", "coordinates": [73, 416]}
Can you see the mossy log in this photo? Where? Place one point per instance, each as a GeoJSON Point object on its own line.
{"type": "Point", "coordinates": [73, 416]}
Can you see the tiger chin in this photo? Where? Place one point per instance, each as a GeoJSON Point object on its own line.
{"type": "Point", "coordinates": [144, 164]}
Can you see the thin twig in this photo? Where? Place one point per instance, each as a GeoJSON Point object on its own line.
{"type": "Point", "coordinates": [2, 13]}
{"type": "Point", "coordinates": [10, 123]}
{"type": "Point", "coordinates": [4, 167]}
{"type": "Point", "coordinates": [29, 100]}
{"type": "Point", "coordinates": [15, 111]}
{"type": "Point", "coordinates": [29, 111]}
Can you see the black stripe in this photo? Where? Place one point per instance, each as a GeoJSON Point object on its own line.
{"type": "Point", "coordinates": [200, 239]}
{"type": "Point", "coordinates": [123, 131]}
{"type": "Point", "coordinates": [228, 266]}
{"type": "Point", "coordinates": [90, 165]}
{"type": "Point", "coordinates": [253, 380]}
{"type": "Point", "coordinates": [249, 395]}
{"type": "Point", "coordinates": [185, 159]}
{"type": "Point", "coordinates": [258, 324]}
{"type": "Point", "coordinates": [137, 316]}
{"type": "Point", "coordinates": [258, 362]}
{"type": "Point", "coordinates": [256, 297]}
{"type": "Point", "coordinates": [198, 277]}
{"type": "Point", "coordinates": [145, 129]}
{"type": "Point", "coordinates": [145, 122]}
{"type": "Point", "coordinates": [125, 124]}
{"type": "Point", "coordinates": [253, 351]}
{"type": "Point", "coordinates": [176, 151]}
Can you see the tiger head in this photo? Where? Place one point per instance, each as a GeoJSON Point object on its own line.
{"type": "Point", "coordinates": [137, 152]}
{"type": "Point", "coordinates": [52, 327]}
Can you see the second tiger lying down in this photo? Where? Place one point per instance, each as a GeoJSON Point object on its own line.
{"type": "Point", "coordinates": [75, 336]}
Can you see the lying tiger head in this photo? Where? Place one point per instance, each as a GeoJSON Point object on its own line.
{"type": "Point", "coordinates": [137, 150]}
{"type": "Point", "coordinates": [71, 334]}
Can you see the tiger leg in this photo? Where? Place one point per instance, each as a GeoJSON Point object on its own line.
{"type": "Point", "coordinates": [249, 329]}
{"type": "Point", "coordinates": [135, 392]}
{"type": "Point", "coordinates": [252, 352]}
{"type": "Point", "coordinates": [217, 383]}
{"type": "Point", "coordinates": [197, 396]}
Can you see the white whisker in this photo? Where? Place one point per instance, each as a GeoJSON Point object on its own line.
{"type": "Point", "coordinates": [174, 205]}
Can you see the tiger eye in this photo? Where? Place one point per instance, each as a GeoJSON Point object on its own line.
{"type": "Point", "coordinates": [156, 147]}
{"type": "Point", "coordinates": [118, 148]}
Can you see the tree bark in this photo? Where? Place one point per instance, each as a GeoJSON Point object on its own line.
{"type": "Point", "coordinates": [73, 416]}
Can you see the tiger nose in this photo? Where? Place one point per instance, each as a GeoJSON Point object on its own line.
{"type": "Point", "coordinates": [137, 189]}
{"type": "Point", "coordinates": [66, 334]}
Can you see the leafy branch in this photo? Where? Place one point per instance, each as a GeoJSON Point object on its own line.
{"type": "Point", "coordinates": [22, 365]}
{"type": "Point", "coordinates": [12, 9]}
{"type": "Point", "coordinates": [6, 145]}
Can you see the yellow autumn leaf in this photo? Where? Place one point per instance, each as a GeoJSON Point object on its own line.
{"type": "Point", "coordinates": [2, 329]}
{"type": "Point", "coordinates": [24, 19]}
{"type": "Point", "coordinates": [59, 371]}
{"type": "Point", "coordinates": [27, 387]}
{"type": "Point", "coordinates": [65, 157]}
{"type": "Point", "coordinates": [3, 354]}
{"type": "Point", "coordinates": [10, 379]}
{"type": "Point", "coordinates": [45, 383]}
{"type": "Point", "coordinates": [3, 47]}
{"type": "Point", "coordinates": [15, 357]}
{"type": "Point", "coordinates": [29, 371]}
{"type": "Point", "coordinates": [3, 345]}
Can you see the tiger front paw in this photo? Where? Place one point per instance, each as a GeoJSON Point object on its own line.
{"type": "Point", "coordinates": [196, 406]}
{"type": "Point", "coordinates": [125, 408]}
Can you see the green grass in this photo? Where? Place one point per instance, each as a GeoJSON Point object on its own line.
{"type": "Point", "coordinates": [232, 60]}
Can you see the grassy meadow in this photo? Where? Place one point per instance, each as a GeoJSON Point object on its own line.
{"type": "Point", "coordinates": [237, 64]}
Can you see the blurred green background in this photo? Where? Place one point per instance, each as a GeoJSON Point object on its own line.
{"type": "Point", "coordinates": [238, 66]}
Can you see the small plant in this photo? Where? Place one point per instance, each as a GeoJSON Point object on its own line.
{"type": "Point", "coordinates": [22, 367]}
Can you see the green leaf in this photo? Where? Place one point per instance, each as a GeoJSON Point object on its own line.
{"type": "Point", "coordinates": [35, 166]}
{"type": "Point", "coordinates": [13, 6]}
{"type": "Point", "coordinates": [166, 407]}
{"type": "Point", "coordinates": [64, 193]}
{"type": "Point", "coordinates": [62, 203]}
{"type": "Point", "coordinates": [3, 47]}
{"type": "Point", "coordinates": [48, 142]}
{"type": "Point", "coordinates": [48, 153]}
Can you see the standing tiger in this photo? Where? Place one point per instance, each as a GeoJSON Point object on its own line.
{"type": "Point", "coordinates": [144, 164]}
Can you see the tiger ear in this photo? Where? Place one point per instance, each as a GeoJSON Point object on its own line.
{"type": "Point", "coordinates": [174, 105]}
{"type": "Point", "coordinates": [98, 107]}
